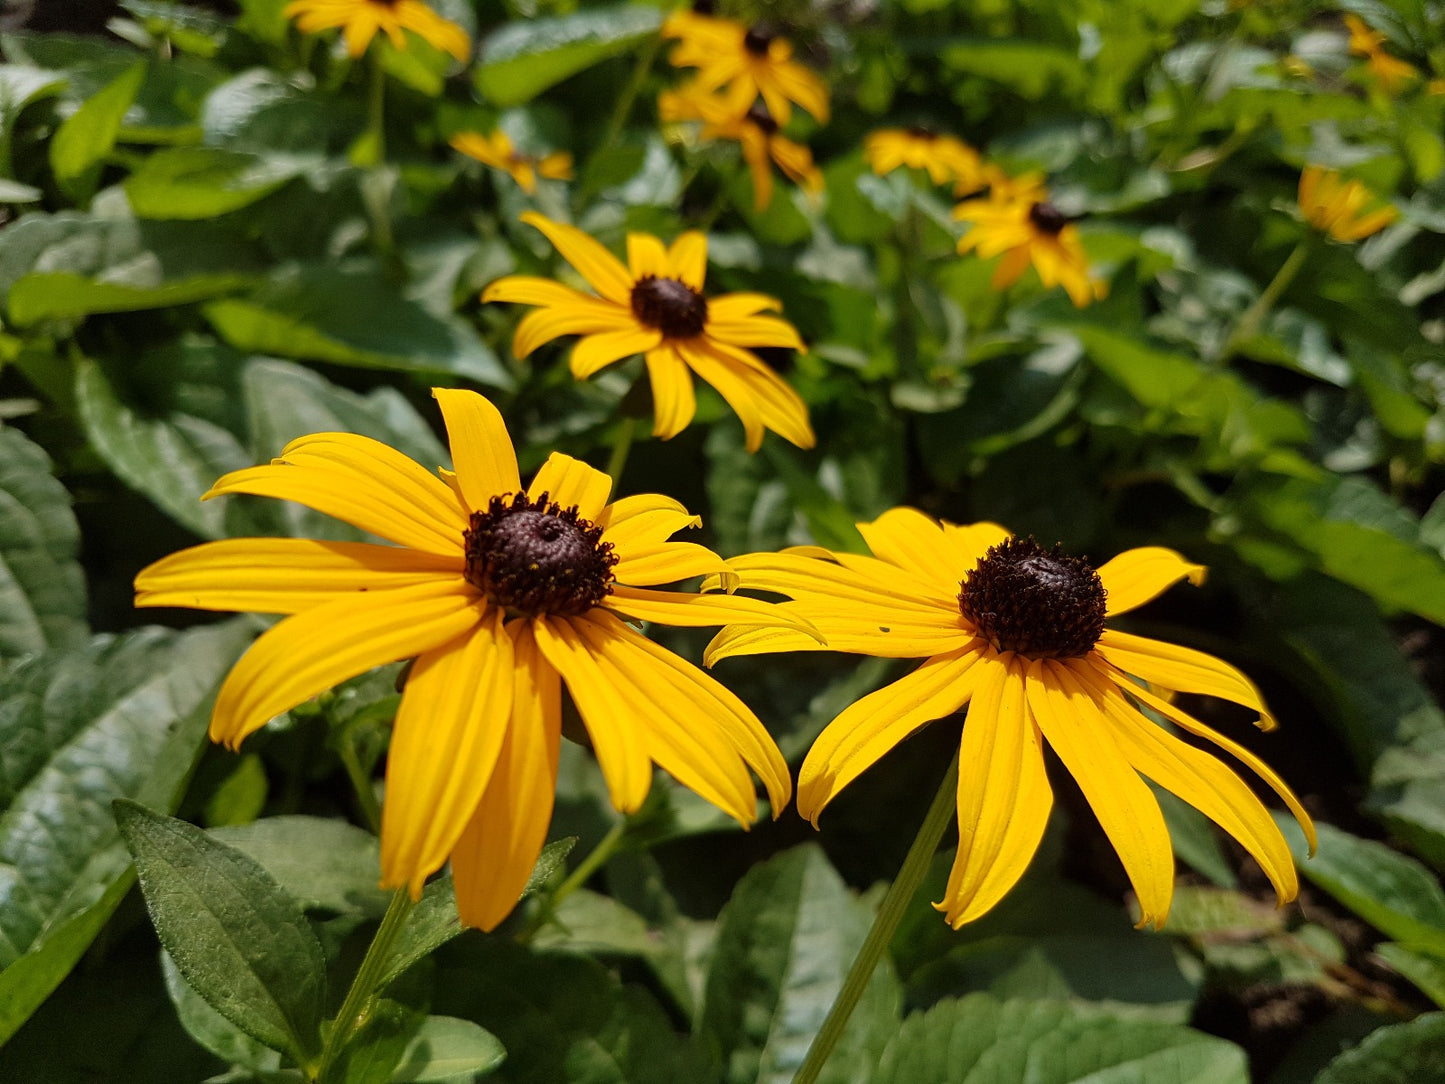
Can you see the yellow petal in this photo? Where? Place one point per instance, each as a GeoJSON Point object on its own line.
{"type": "Point", "coordinates": [756, 331]}
{"type": "Point", "coordinates": [685, 610]}
{"type": "Point", "coordinates": [967, 545]}
{"type": "Point", "coordinates": [646, 257]}
{"type": "Point", "coordinates": [854, 741]}
{"type": "Point", "coordinates": [667, 562]}
{"type": "Point", "coordinates": [599, 350]}
{"type": "Point", "coordinates": [542, 326]}
{"type": "Point", "coordinates": [494, 857]}
{"type": "Point", "coordinates": [331, 643]}
{"type": "Point", "coordinates": [911, 540]}
{"type": "Point", "coordinates": [444, 745]}
{"type": "Point", "coordinates": [757, 394]}
{"type": "Point", "coordinates": [482, 454]}
{"type": "Point", "coordinates": [1181, 669]}
{"type": "Point", "coordinates": [284, 575]}
{"type": "Point", "coordinates": [1138, 575]}
{"type": "Point", "coordinates": [739, 306]}
{"type": "Point", "coordinates": [734, 390]}
{"type": "Point", "coordinates": [531, 290]}
{"type": "Point", "coordinates": [748, 640]}
{"type": "Point", "coordinates": [687, 259]}
{"type": "Point", "coordinates": [572, 484]}
{"type": "Point", "coordinates": [878, 589]}
{"type": "Point", "coordinates": [644, 519]}
{"type": "Point", "coordinates": [602, 270]}
{"type": "Point", "coordinates": [673, 397]}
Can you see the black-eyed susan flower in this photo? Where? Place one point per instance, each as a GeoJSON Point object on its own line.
{"type": "Point", "coordinates": [1021, 635]}
{"type": "Point", "coordinates": [1017, 221]}
{"type": "Point", "coordinates": [742, 62]}
{"type": "Point", "coordinates": [654, 306]}
{"type": "Point", "coordinates": [361, 20]}
{"type": "Point", "coordinates": [498, 151]}
{"type": "Point", "coordinates": [1389, 71]}
{"type": "Point", "coordinates": [755, 132]}
{"type": "Point", "coordinates": [1337, 207]}
{"type": "Point", "coordinates": [944, 157]}
{"type": "Point", "coordinates": [501, 594]}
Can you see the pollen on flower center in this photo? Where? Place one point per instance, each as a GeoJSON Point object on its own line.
{"type": "Point", "coordinates": [1040, 603]}
{"type": "Point", "coordinates": [1047, 217]}
{"type": "Point", "coordinates": [758, 39]}
{"type": "Point", "coordinates": [533, 557]}
{"type": "Point", "coordinates": [672, 307]}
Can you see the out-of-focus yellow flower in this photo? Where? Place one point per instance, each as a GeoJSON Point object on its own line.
{"type": "Point", "coordinates": [360, 20]}
{"type": "Point", "coordinates": [1017, 221]}
{"type": "Point", "coordinates": [742, 62]}
{"type": "Point", "coordinates": [1297, 67]}
{"type": "Point", "coordinates": [498, 151]}
{"type": "Point", "coordinates": [1390, 71]}
{"type": "Point", "coordinates": [1336, 206]}
{"type": "Point", "coordinates": [755, 131]}
{"type": "Point", "coordinates": [943, 157]}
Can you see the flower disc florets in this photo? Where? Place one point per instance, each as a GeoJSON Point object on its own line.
{"type": "Point", "coordinates": [759, 39]}
{"type": "Point", "coordinates": [672, 307]}
{"type": "Point", "coordinates": [1047, 218]}
{"type": "Point", "coordinates": [761, 116]}
{"type": "Point", "coordinates": [1040, 603]}
{"type": "Point", "coordinates": [533, 557]}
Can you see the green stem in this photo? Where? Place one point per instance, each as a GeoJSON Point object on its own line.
{"type": "Point", "coordinates": [620, 447]}
{"type": "Point", "coordinates": [630, 92]}
{"type": "Point", "coordinates": [360, 783]}
{"type": "Point", "coordinates": [885, 924]}
{"type": "Point", "coordinates": [604, 850]}
{"type": "Point", "coordinates": [1254, 316]}
{"type": "Point", "coordinates": [361, 998]}
{"type": "Point", "coordinates": [376, 110]}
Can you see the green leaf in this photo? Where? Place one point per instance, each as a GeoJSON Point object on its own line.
{"type": "Point", "coordinates": [981, 1038]}
{"type": "Point", "coordinates": [527, 56]}
{"type": "Point", "coordinates": [1030, 68]}
{"type": "Point", "coordinates": [239, 939]}
{"type": "Point", "coordinates": [784, 942]}
{"type": "Point", "coordinates": [122, 717]}
{"type": "Point", "coordinates": [87, 136]}
{"type": "Point", "coordinates": [1414, 1051]}
{"type": "Point", "coordinates": [42, 587]}
{"type": "Point", "coordinates": [1424, 969]}
{"type": "Point", "coordinates": [447, 1049]}
{"type": "Point", "coordinates": [323, 863]}
{"type": "Point", "coordinates": [203, 182]}
{"type": "Point", "coordinates": [209, 1028]}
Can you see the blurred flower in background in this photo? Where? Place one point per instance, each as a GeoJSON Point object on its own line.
{"type": "Point", "coordinates": [360, 20]}
{"type": "Point", "coordinates": [742, 62]}
{"type": "Point", "coordinates": [1337, 207]}
{"type": "Point", "coordinates": [944, 157]}
{"type": "Point", "coordinates": [498, 151]}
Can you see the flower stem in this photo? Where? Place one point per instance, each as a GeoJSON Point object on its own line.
{"type": "Point", "coordinates": [361, 998]}
{"type": "Point", "coordinates": [885, 924]}
{"type": "Point", "coordinates": [621, 445]}
{"type": "Point", "coordinates": [376, 111]}
{"type": "Point", "coordinates": [360, 783]}
{"type": "Point", "coordinates": [630, 92]}
{"type": "Point", "coordinates": [605, 849]}
{"type": "Point", "coordinates": [1254, 315]}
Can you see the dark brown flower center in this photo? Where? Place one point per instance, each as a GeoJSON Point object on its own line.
{"type": "Point", "coordinates": [532, 557]}
{"type": "Point", "coordinates": [1041, 603]}
{"type": "Point", "coordinates": [921, 131]}
{"type": "Point", "coordinates": [1047, 217]}
{"type": "Point", "coordinates": [762, 116]}
{"type": "Point", "coordinates": [672, 307]}
{"type": "Point", "coordinates": [758, 39]}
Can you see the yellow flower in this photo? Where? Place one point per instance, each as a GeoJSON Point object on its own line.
{"type": "Point", "coordinates": [654, 306]}
{"type": "Point", "coordinates": [755, 131]}
{"type": "Point", "coordinates": [361, 19]}
{"type": "Point", "coordinates": [743, 62]}
{"type": "Point", "coordinates": [1334, 205]}
{"type": "Point", "coordinates": [500, 594]}
{"type": "Point", "coordinates": [1391, 72]}
{"type": "Point", "coordinates": [1017, 220]}
{"type": "Point", "coordinates": [944, 157]}
{"type": "Point", "coordinates": [497, 150]}
{"type": "Point", "coordinates": [1020, 633]}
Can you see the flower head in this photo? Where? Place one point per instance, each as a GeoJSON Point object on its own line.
{"type": "Point", "coordinates": [360, 20]}
{"type": "Point", "coordinates": [501, 594]}
{"type": "Point", "coordinates": [944, 157]}
{"type": "Point", "coordinates": [743, 62]}
{"type": "Point", "coordinates": [1391, 72]}
{"type": "Point", "coordinates": [1017, 220]}
{"type": "Point", "coordinates": [655, 306]}
{"type": "Point", "coordinates": [1336, 206]}
{"type": "Point", "coordinates": [498, 151]}
{"type": "Point", "coordinates": [1020, 633]}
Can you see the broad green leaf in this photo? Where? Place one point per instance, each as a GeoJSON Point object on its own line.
{"type": "Point", "coordinates": [1424, 969]}
{"type": "Point", "coordinates": [42, 587]}
{"type": "Point", "coordinates": [61, 294]}
{"type": "Point", "coordinates": [447, 1049]}
{"type": "Point", "coordinates": [984, 1040]}
{"type": "Point", "coordinates": [1414, 1051]}
{"type": "Point", "coordinates": [240, 940]}
{"type": "Point", "coordinates": [87, 136]}
{"type": "Point", "coordinates": [526, 57]}
{"type": "Point", "coordinates": [323, 863]}
{"type": "Point", "coordinates": [212, 1030]}
{"type": "Point", "coordinates": [784, 942]}
{"type": "Point", "coordinates": [1030, 68]}
{"type": "Point", "coordinates": [20, 85]}
{"type": "Point", "coordinates": [374, 1050]}
{"type": "Point", "coordinates": [122, 717]}
{"type": "Point", "coordinates": [203, 182]}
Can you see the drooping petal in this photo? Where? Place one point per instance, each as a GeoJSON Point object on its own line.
{"type": "Point", "coordinates": [684, 610]}
{"type": "Point", "coordinates": [1181, 669]}
{"type": "Point", "coordinates": [543, 325]}
{"type": "Point", "coordinates": [852, 742]}
{"type": "Point", "coordinates": [853, 630]}
{"type": "Point", "coordinates": [644, 519]}
{"type": "Point", "coordinates": [674, 400]}
{"type": "Point", "coordinates": [739, 306]}
{"type": "Point", "coordinates": [749, 385]}
{"type": "Point", "coordinates": [493, 859]}
{"type": "Point", "coordinates": [572, 484]}
{"type": "Point", "coordinates": [736, 391]}
{"type": "Point", "coordinates": [1004, 796]}
{"type": "Point", "coordinates": [602, 270]}
{"type": "Point", "coordinates": [803, 87]}
{"type": "Point", "coordinates": [284, 575]}
{"type": "Point", "coordinates": [331, 643]}
{"type": "Point", "coordinates": [531, 290]}
{"type": "Point", "coordinates": [595, 352]}
{"type": "Point", "coordinates": [482, 453]}
{"type": "Point", "coordinates": [454, 714]}
{"type": "Point", "coordinates": [667, 562]}
{"type": "Point", "coordinates": [688, 259]}
{"type": "Point", "coordinates": [745, 331]}
{"type": "Point", "coordinates": [878, 588]}
{"type": "Point", "coordinates": [1075, 727]}
{"type": "Point", "coordinates": [1138, 575]}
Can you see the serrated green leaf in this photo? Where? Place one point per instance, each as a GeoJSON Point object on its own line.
{"type": "Point", "coordinates": [87, 136]}
{"type": "Point", "coordinates": [523, 59]}
{"type": "Point", "coordinates": [203, 182]}
{"type": "Point", "coordinates": [42, 587]}
{"type": "Point", "coordinates": [240, 940]}
{"type": "Point", "coordinates": [1406, 1052]}
{"type": "Point", "coordinates": [447, 1049]}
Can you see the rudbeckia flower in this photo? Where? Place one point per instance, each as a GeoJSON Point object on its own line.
{"type": "Point", "coordinates": [501, 594]}
{"type": "Point", "coordinates": [1391, 72]}
{"type": "Point", "coordinates": [1017, 220]}
{"type": "Point", "coordinates": [742, 62]}
{"type": "Point", "coordinates": [944, 157]}
{"type": "Point", "coordinates": [1336, 206]}
{"type": "Point", "coordinates": [360, 20]}
{"type": "Point", "coordinates": [498, 151]}
{"type": "Point", "coordinates": [1020, 634]}
{"type": "Point", "coordinates": [756, 132]}
{"type": "Point", "coordinates": [654, 306]}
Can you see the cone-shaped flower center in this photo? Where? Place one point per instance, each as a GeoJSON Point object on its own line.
{"type": "Point", "coordinates": [921, 131]}
{"type": "Point", "coordinates": [758, 38]}
{"type": "Point", "coordinates": [532, 557]}
{"type": "Point", "coordinates": [1047, 218]}
{"type": "Point", "coordinates": [1040, 603]}
{"type": "Point", "coordinates": [761, 116]}
{"type": "Point", "coordinates": [672, 307]}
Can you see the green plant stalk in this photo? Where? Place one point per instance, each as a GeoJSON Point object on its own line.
{"type": "Point", "coordinates": [885, 924]}
{"type": "Point", "coordinates": [617, 461]}
{"type": "Point", "coordinates": [360, 782]}
{"type": "Point", "coordinates": [630, 92]}
{"type": "Point", "coordinates": [361, 998]}
{"type": "Point", "coordinates": [376, 109]}
{"type": "Point", "coordinates": [606, 847]}
{"type": "Point", "coordinates": [1254, 315]}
